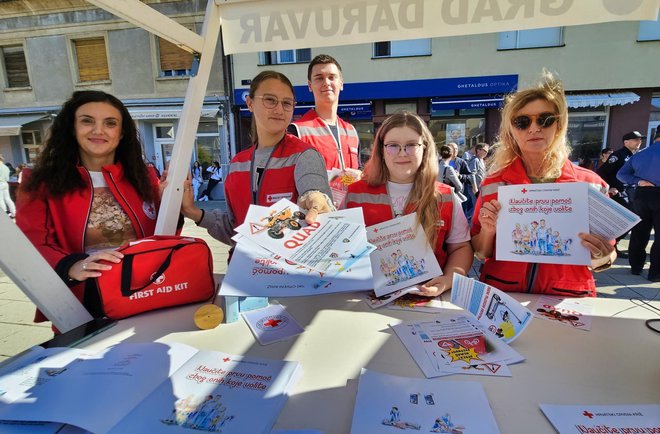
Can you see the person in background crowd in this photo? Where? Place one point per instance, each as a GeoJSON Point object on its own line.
{"type": "Point", "coordinates": [19, 172]}
{"type": "Point", "coordinates": [532, 148]}
{"type": "Point", "coordinates": [197, 179]}
{"type": "Point", "coordinates": [89, 193]}
{"type": "Point", "coordinates": [643, 171]}
{"type": "Point", "coordinates": [216, 176]}
{"type": "Point", "coordinates": [277, 166]}
{"type": "Point", "coordinates": [321, 127]}
{"type": "Point", "coordinates": [604, 156]}
{"type": "Point", "coordinates": [465, 175]}
{"type": "Point", "coordinates": [608, 170]}
{"type": "Point", "coordinates": [6, 204]}
{"type": "Point", "coordinates": [401, 178]}
{"type": "Point", "coordinates": [478, 165]}
{"type": "Point", "coordinates": [447, 174]}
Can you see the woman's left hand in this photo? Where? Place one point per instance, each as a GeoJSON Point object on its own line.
{"type": "Point", "coordinates": [435, 287]}
{"type": "Point", "coordinates": [600, 248]}
{"type": "Point", "coordinates": [162, 183]}
{"type": "Point", "coordinates": [315, 203]}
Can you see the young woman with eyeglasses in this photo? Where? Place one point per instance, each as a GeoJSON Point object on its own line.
{"type": "Point", "coordinates": [277, 166]}
{"type": "Point", "coordinates": [401, 178]}
{"type": "Point", "coordinates": [532, 148]}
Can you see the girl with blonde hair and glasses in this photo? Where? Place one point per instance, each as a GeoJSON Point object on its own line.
{"type": "Point", "coordinates": [532, 148]}
{"type": "Point", "coordinates": [401, 178]}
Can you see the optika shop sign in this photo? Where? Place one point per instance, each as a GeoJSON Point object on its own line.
{"type": "Point", "coordinates": [287, 24]}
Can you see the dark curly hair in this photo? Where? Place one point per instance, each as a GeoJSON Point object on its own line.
{"type": "Point", "coordinates": [56, 168]}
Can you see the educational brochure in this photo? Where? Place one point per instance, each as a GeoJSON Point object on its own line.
{"type": "Point", "coordinates": [419, 303]}
{"type": "Point", "coordinates": [607, 218]}
{"type": "Point", "coordinates": [391, 404]}
{"type": "Point", "coordinates": [272, 324]}
{"type": "Point", "coordinates": [156, 387]}
{"type": "Point", "coordinates": [328, 245]}
{"type": "Point", "coordinates": [375, 302]}
{"type": "Point", "coordinates": [456, 344]}
{"type": "Point", "coordinates": [540, 223]}
{"type": "Point", "coordinates": [571, 312]}
{"type": "Point", "coordinates": [581, 419]}
{"type": "Point", "coordinates": [403, 256]}
{"type": "Point", "coordinates": [500, 313]}
{"type": "Point", "coordinates": [270, 275]}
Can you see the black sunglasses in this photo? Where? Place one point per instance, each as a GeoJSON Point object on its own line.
{"type": "Point", "coordinates": [544, 120]}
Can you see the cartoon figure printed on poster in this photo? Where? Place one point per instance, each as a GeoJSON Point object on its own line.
{"type": "Point", "coordinates": [394, 420]}
{"type": "Point", "coordinates": [445, 425]}
{"type": "Point", "coordinates": [539, 240]}
{"type": "Point", "coordinates": [497, 307]}
{"type": "Point", "coordinates": [400, 267]}
{"type": "Point", "coordinates": [278, 221]}
{"type": "Point", "coordinates": [204, 414]}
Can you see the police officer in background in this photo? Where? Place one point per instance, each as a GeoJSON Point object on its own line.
{"type": "Point", "coordinates": [631, 143]}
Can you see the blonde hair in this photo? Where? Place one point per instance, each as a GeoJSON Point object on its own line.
{"type": "Point", "coordinates": [507, 150]}
{"type": "Point", "coordinates": [423, 197]}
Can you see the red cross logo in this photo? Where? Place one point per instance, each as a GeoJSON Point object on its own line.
{"type": "Point", "coordinates": [524, 190]}
{"type": "Point", "coordinates": [226, 359]}
{"type": "Point", "coordinates": [272, 322]}
{"type": "Point", "coordinates": [589, 415]}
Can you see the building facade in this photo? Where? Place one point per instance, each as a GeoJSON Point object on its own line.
{"type": "Point", "coordinates": [48, 50]}
{"type": "Point", "coordinates": [457, 84]}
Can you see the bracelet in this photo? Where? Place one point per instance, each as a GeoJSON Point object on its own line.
{"type": "Point", "coordinates": [201, 218]}
{"type": "Point", "coordinates": [603, 267]}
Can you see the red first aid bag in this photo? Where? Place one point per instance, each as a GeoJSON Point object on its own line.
{"type": "Point", "coordinates": [157, 272]}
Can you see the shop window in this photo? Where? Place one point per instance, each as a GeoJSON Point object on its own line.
{"type": "Point", "coordinates": [536, 38]}
{"type": "Point", "coordinates": [649, 30]}
{"type": "Point", "coordinates": [365, 130]}
{"type": "Point", "coordinates": [464, 131]}
{"type": "Point", "coordinates": [31, 145]}
{"type": "Point", "coordinates": [393, 107]}
{"type": "Point", "coordinates": [285, 56]}
{"type": "Point", "coordinates": [92, 59]}
{"type": "Point", "coordinates": [410, 47]}
{"type": "Point", "coordinates": [15, 66]}
{"type": "Point", "coordinates": [173, 61]}
{"type": "Point", "coordinates": [586, 134]}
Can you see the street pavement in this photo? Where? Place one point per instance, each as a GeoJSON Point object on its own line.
{"type": "Point", "coordinates": [18, 332]}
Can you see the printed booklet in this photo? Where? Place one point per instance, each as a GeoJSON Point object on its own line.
{"type": "Point", "coordinates": [272, 324]}
{"type": "Point", "coordinates": [403, 256]}
{"type": "Point", "coordinates": [153, 387]}
{"type": "Point", "coordinates": [540, 223]}
{"type": "Point", "coordinates": [581, 419]}
{"type": "Point", "coordinates": [391, 404]}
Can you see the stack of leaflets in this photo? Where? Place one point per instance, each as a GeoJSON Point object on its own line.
{"type": "Point", "coordinates": [284, 256]}
{"type": "Point", "coordinates": [387, 404]}
{"type": "Point", "coordinates": [141, 388]}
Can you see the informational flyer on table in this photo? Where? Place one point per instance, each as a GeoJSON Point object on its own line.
{"type": "Point", "coordinates": [403, 256]}
{"type": "Point", "coordinates": [328, 245]}
{"type": "Point", "coordinates": [391, 404]}
{"type": "Point", "coordinates": [612, 419]}
{"type": "Point", "coordinates": [540, 223]}
{"type": "Point", "coordinates": [571, 312]}
{"type": "Point", "coordinates": [500, 313]}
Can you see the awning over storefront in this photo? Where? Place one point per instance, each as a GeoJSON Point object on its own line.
{"type": "Point", "coordinates": [601, 99]}
{"type": "Point", "coordinates": [479, 102]}
{"type": "Point", "coordinates": [11, 125]}
{"type": "Point", "coordinates": [168, 112]}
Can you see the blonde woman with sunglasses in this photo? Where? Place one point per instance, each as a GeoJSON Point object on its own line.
{"type": "Point", "coordinates": [400, 178]}
{"type": "Point", "coordinates": [532, 148]}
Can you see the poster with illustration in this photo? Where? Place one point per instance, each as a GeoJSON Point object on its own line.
{"type": "Point", "coordinates": [540, 223]}
{"type": "Point", "coordinates": [456, 134]}
{"type": "Point", "coordinates": [391, 404]}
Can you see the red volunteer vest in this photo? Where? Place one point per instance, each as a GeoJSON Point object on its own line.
{"type": "Point", "coordinates": [377, 208]}
{"type": "Point", "coordinates": [312, 130]}
{"type": "Point", "coordinates": [551, 279]}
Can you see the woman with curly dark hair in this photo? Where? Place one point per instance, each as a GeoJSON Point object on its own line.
{"type": "Point", "coordinates": [89, 192]}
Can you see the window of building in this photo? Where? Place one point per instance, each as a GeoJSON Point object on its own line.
{"type": "Point", "coordinates": [465, 131]}
{"type": "Point", "coordinates": [586, 133]}
{"type": "Point", "coordinates": [15, 66]}
{"type": "Point", "coordinates": [649, 30]}
{"type": "Point", "coordinates": [174, 61]}
{"type": "Point", "coordinates": [393, 107]}
{"type": "Point", "coordinates": [207, 145]}
{"type": "Point", "coordinates": [285, 56]}
{"type": "Point", "coordinates": [410, 47]}
{"type": "Point", "coordinates": [92, 59]}
{"type": "Point", "coordinates": [31, 145]}
{"type": "Point", "coordinates": [536, 38]}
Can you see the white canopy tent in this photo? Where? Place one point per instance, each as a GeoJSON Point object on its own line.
{"type": "Point", "coordinates": [266, 25]}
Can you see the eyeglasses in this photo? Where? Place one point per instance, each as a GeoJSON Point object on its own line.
{"type": "Point", "coordinates": [544, 120]}
{"type": "Point", "coordinates": [271, 101]}
{"type": "Point", "coordinates": [395, 148]}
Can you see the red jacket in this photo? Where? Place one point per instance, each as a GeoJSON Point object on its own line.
{"type": "Point", "coordinates": [311, 129]}
{"type": "Point", "coordinates": [277, 180]}
{"type": "Point", "coordinates": [551, 279]}
{"type": "Point", "coordinates": [377, 208]}
{"type": "Point", "coordinates": [56, 225]}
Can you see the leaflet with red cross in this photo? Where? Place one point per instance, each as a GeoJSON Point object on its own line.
{"type": "Point", "coordinates": [272, 324]}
